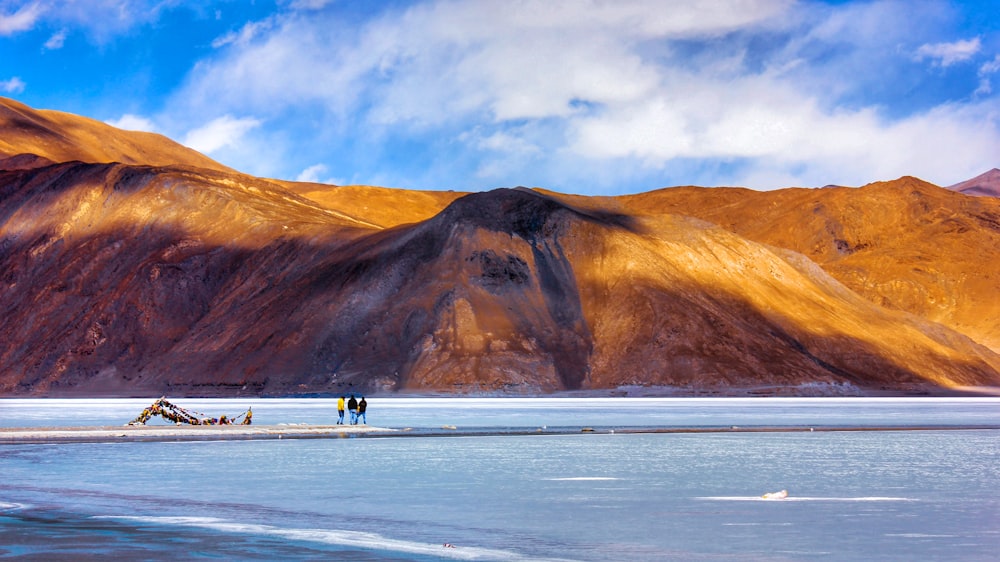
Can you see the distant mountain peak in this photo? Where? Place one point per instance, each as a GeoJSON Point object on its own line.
{"type": "Point", "coordinates": [984, 185]}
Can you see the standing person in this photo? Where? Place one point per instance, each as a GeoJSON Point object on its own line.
{"type": "Point", "coordinates": [352, 406]}
{"type": "Point", "coordinates": [362, 406]}
{"type": "Point", "coordinates": [340, 411]}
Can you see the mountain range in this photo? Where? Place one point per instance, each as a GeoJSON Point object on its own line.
{"type": "Point", "coordinates": [133, 266]}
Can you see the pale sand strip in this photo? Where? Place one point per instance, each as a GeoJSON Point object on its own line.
{"type": "Point", "coordinates": [137, 433]}
{"type": "Point", "coordinates": [107, 434]}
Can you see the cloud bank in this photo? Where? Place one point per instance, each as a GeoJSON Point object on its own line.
{"type": "Point", "coordinates": [602, 95]}
{"type": "Point", "coordinates": [585, 96]}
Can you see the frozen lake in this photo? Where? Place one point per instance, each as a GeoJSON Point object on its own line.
{"type": "Point", "coordinates": [875, 495]}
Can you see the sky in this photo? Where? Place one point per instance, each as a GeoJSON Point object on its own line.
{"type": "Point", "coordinates": [578, 96]}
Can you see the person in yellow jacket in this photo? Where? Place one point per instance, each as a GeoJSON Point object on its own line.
{"type": "Point", "coordinates": [340, 411]}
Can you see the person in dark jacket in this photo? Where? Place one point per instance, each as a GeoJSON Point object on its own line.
{"type": "Point", "coordinates": [352, 406]}
{"type": "Point", "coordinates": [362, 406]}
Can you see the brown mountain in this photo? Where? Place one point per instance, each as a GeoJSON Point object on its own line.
{"type": "Point", "coordinates": [175, 278]}
{"type": "Point", "coordinates": [986, 185]}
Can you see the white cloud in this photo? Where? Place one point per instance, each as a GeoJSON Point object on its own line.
{"type": "Point", "coordinates": [131, 122]}
{"type": "Point", "coordinates": [12, 86]}
{"type": "Point", "coordinates": [23, 19]}
{"type": "Point", "coordinates": [947, 54]}
{"type": "Point", "coordinates": [985, 71]}
{"type": "Point", "coordinates": [312, 173]}
{"type": "Point", "coordinates": [317, 173]}
{"type": "Point", "coordinates": [532, 62]}
{"type": "Point", "coordinates": [310, 4]}
{"type": "Point", "coordinates": [944, 145]}
{"type": "Point", "coordinates": [790, 139]}
{"type": "Point", "coordinates": [990, 67]}
{"type": "Point", "coordinates": [503, 142]}
{"type": "Point", "coordinates": [57, 41]}
{"type": "Point", "coordinates": [219, 133]}
{"type": "Point", "coordinates": [538, 61]}
{"type": "Point", "coordinates": [100, 19]}
{"type": "Point", "coordinates": [247, 33]}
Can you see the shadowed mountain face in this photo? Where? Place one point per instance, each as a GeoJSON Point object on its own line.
{"type": "Point", "coordinates": [185, 279]}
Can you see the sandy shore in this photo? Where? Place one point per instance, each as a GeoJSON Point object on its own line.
{"type": "Point", "coordinates": [104, 434]}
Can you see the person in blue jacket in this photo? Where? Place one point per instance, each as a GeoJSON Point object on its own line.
{"type": "Point", "coordinates": [352, 407]}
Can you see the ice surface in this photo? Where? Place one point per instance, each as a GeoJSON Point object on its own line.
{"type": "Point", "coordinates": [852, 495]}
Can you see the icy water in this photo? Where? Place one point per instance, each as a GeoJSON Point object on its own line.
{"type": "Point", "coordinates": [872, 495]}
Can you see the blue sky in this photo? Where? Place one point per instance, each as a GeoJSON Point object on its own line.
{"type": "Point", "coordinates": [588, 97]}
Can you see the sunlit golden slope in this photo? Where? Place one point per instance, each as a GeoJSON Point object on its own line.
{"type": "Point", "coordinates": [379, 205]}
{"type": "Point", "coordinates": [64, 137]}
{"type": "Point", "coordinates": [36, 137]}
{"type": "Point", "coordinates": [904, 245]}
{"type": "Point", "coordinates": [74, 200]}
{"type": "Point", "coordinates": [130, 279]}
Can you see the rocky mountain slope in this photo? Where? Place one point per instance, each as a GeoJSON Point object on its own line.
{"type": "Point", "coordinates": [130, 265]}
{"type": "Point", "coordinates": [904, 245]}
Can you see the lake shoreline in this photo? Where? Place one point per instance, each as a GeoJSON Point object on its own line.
{"type": "Point", "coordinates": [776, 391]}
{"type": "Point", "coordinates": [161, 433]}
